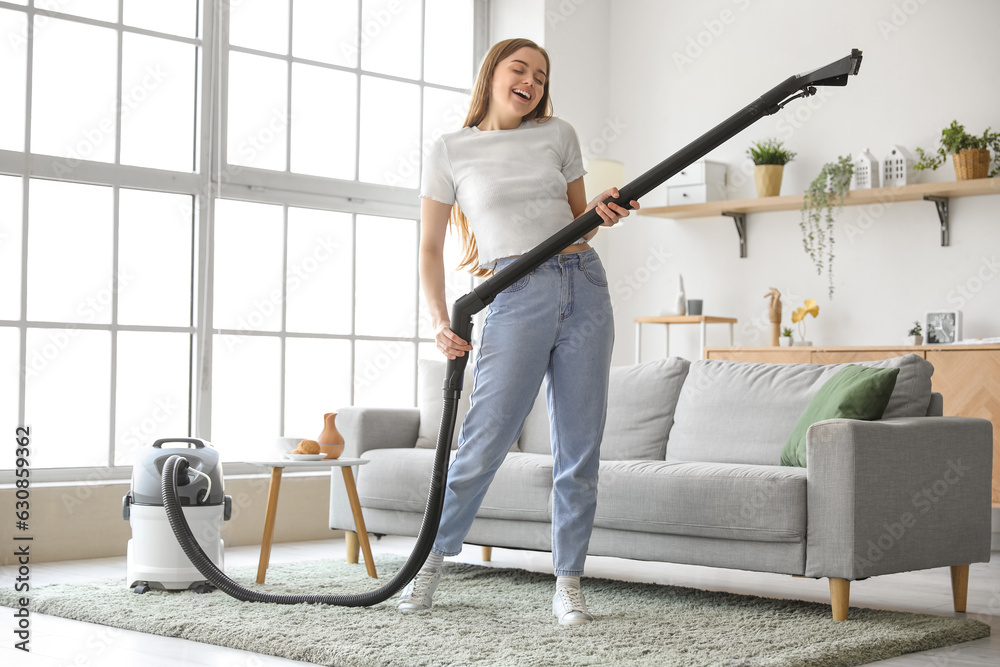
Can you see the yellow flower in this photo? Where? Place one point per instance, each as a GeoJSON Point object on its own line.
{"type": "Point", "coordinates": [810, 309]}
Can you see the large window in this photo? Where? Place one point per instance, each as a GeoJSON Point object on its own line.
{"type": "Point", "coordinates": [216, 232]}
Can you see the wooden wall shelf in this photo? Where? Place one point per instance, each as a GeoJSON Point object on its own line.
{"type": "Point", "coordinates": [938, 193]}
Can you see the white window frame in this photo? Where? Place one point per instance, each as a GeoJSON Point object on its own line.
{"type": "Point", "coordinates": [212, 179]}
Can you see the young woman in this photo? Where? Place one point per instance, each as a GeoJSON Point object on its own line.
{"type": "Point", "coordinates": [509, 179]}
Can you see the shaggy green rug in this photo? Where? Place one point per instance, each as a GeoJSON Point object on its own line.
{"type": "Point", "coordinates": [491, 616]}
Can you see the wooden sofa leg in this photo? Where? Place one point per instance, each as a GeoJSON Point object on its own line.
{"type": "Point", "coordinates": [960, 585]}
{"type": "Point", "coordinates": [487, 554]}
{"type": "Point", "coordinates": [840, 597]}
{"type": "Point", "coordinates": [353, 546]}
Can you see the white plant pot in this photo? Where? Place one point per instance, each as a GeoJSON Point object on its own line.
{"type": "Point", "coordinates": [785, 341]}
{"type": "Point", "coordinates": [915, 340]}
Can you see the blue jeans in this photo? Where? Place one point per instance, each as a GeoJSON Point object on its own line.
{"type": "Point", "coordinates": [556, 323]}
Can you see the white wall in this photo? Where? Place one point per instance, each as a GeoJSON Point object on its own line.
{"type": "Point", "coordinates": [517, 18]}
{"type": "Point", "coordinates": [925, 63]}
{"type": "Point", "coordinates": [623, 74]}
{"type": "Point", "coordinates": [641, 78]}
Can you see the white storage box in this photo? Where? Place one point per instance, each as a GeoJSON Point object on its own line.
{"type": "Point", "coordinates": [697, 183]}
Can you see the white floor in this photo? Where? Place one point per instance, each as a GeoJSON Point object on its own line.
{"type": "Point", "coordinates": [59, 642]}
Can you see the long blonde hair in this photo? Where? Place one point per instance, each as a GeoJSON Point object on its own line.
{"type": "Point", "coordinates": [478, 108]}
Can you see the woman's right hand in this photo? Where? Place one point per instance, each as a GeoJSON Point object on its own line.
{"type": "Point", "coordinates": [450, 343]}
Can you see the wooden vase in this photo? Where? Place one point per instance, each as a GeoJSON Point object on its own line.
{"type": "Point", "coordinates": [768, 179]}
{"type": "Point", "coordinates": [330, 441]}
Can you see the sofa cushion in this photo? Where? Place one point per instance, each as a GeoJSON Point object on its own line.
{"type": "Point", "coordinates": [399, 479]}
{"type": "Point", "coordinates": [430, 400]}
{"type": "Point", "coordinates": [719, 500]}
{"type": "Point", "coordinates": [521, 489]}
{"type": "Point", "coordinates": [739, 412]}
{"type": "Point", "coordinates": [641, 402]}
{"type": "Point", "coordinates": [854, 392]}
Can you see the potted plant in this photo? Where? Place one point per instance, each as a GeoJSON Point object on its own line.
{"type": "Point", "coordinates": [969, 154]}
{"type": "Point", "coordinates": [786, 337]}
{"type": "Point", "coordinates": [825, 192]}
{"type": "Point", "coordinates": [769, 159]}
{"type": "Point", "coordinates": [914, 336]}
{"type": "Point", "coordinates": [799, 317]}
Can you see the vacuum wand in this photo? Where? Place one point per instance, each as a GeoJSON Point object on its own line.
{"type": "Point", "coordinates": [834, 74]}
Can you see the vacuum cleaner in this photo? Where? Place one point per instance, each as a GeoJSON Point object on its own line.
{"type": "Point", "coordinates": [177, 467]}
{"type": "Point", "coordinates": [155, 559]}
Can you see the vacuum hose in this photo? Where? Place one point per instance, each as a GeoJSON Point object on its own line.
{"type": "Point", "coordinates": [177, 465]}
{"type": "Point", "coordinates": [836, 73]}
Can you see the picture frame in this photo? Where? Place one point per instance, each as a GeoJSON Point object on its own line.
{"type": "Point", "coordinates": [943, 327]}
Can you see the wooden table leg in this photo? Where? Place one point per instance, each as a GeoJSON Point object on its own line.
{"type": "Point", "coordinates": [359, 520]}
{"type": "Point", "coordinates": [269, 516]}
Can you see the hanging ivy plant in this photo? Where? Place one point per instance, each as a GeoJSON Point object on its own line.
{"type": "Point", "coordinates": [826, 192]}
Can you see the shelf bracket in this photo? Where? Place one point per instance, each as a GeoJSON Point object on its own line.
{"type": "Point", "coordinates": [942, 210]}
{"type": "Point", "coordinates": [741, 228]}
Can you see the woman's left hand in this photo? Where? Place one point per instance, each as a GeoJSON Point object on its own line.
{"type": "Point", "coordinates": [612, 212]}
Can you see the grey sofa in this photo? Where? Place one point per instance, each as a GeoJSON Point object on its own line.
{"type": "Point", "coordinates": [690, 474]}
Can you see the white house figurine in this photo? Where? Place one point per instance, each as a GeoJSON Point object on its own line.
{"type": "Point", "coordinates": [897, 168]}
{"type": "Point", "coordinates": [865, 171]}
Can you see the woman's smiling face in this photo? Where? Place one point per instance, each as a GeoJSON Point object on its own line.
{"type": "Point", "coordinates": [519, 82]}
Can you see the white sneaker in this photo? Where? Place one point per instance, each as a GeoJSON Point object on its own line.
{"type": "Point", "coordinates": [417, 594]}
{"type": "Point", "coordinates": [570, 607]}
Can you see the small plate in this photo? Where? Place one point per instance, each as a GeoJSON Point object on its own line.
{"type": "Point", "coordinates": [305, 457]}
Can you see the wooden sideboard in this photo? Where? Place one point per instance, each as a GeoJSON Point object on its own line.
{"type": "Point", "coordinates": [967, 376]}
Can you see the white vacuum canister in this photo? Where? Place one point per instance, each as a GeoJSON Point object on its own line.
{"type": "Point", "coordinates": [155, 559]}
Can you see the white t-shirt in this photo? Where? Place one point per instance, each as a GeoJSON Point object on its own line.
{"type": "Point", "coordinates": [511, 184]}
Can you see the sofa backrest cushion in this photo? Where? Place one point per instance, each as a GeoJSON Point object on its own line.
{"type": "Point", "coordinates": [641, 403]}
{"type": "Point", "coordinates": [739, 412]}
{"type": "Point", "coordinates": [854, 392]}
{"type": "Point", "coordinates": [430, 400]}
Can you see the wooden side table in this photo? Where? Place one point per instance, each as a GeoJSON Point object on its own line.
{"type": "Point", "coordinates": [703, 320]}
{"type": "Point", "coordinates": [345, 465]}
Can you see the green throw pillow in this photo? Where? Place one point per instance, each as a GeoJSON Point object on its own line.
{"type": "Point", "coordinates": [855, 392]}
